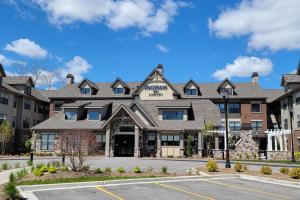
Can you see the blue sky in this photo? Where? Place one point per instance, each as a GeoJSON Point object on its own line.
{"type": "Point", "coordinates": [105, 39]}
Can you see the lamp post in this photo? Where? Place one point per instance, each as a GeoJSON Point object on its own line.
{"type": "Point", "coordinates": [225, 97]}
{"type": "Point", "coordinates": [292, 134]}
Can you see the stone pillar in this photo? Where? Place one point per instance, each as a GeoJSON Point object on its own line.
{"type": "Point", "coordinates": [136, 142]}
{"type": "Point", "coordinates": [200, 144]}
{"type": "Point", "coordinates": [107, 142]}
{"type": "Point", "coordinates": [216, 142]}
{"type": "Point", "coordinates": [181, 144]}
{"type": "Point", "coordinates": [158, 145]}
{"type": "Point", "coordinates": [280, 142]}
{"type": "Point", "coordinates": [269, 143]}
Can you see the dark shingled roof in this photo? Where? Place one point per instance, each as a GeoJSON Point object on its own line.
{"type": "Point", "coordinates": [18, 80]}
{"type": "Point", "coordinates": [290, 78]}
{"type": "Point", "coordinates": [273, 94]}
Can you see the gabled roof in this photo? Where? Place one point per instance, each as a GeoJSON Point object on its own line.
{"type": "Point", "coordinates": [18, 80]}
{"type": "Point", "coordinates": [121, 81]}
{"type": "Point", "coordinates": [2, 71]}
{"type": "Point", "coordinates": [191, 81]}
{"type": "Point", "coordinates": [156, 71]}
{"type": "Point", "coordinates": [290, 78]}
{"type": "Point", "coordinates": [149, 117]}
{"type": "Point", "coordinates": [90, 83]}
{"type": "Point", "coordinates": [228, 81]}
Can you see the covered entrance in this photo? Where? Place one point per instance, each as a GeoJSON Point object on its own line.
{"type": "Point", "coordinates": [124, 145]}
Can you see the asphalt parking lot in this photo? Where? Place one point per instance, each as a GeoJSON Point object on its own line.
{"type": "Point", "coordinates": [209, 188]}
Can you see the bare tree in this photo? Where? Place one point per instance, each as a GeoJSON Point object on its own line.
{"type": "Point", "coordinates": [6, 134]}
{"type": "Point", "coordinates": [78, 145]}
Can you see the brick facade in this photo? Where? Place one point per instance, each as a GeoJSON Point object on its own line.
{"type": "Point", "coordinates": [247, 115]}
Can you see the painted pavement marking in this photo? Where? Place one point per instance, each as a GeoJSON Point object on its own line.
{"type": "Point", "coordinates": [109, 193]}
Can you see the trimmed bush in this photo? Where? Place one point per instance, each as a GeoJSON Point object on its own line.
{"type": "Point", "coordinates": [212, 166]}
{"type": "Point", "coordinates": [10, 188]}
{"type": "Point", "coordinates": [164, 170]}
{"type": "Point", "coordinates": [284, 170]}
{"type": "Point", "coordinates": [21, 173]}
{"type": "Point", "coordinates": [107, 169]}
{"type": "Point", "coordinates": [266, 170]}
{"type": "Point", "coordinates": [38, 172]}
{"type": "Point", "coordinates": [150, 169]}
{"type": "Point", "coordinates": [238, 167]}
{"type": "Point", "coordinates": [295, 173]}
{"type": "Point", "coordinates": [44, 169]}
{"type": "Point", "coordinates": [137, 170]}
{"type": "Point", "coordinates": [121, 170]}
{"type": "Point", "coordinates": [98, 171]}
{"type": "Point", "coordinates": [5, 166]}
{"type": "Point", "coordinates": [52, 169]}
{"type": "Point", "coordinates": [64, 168]}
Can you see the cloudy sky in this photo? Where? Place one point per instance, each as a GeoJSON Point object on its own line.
{"type": "Point", "coordinates": [105, 39]}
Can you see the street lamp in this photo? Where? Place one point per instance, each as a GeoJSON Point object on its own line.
{"type": "Point", "coordinates": [292, 134]}
{"type": "Point", "coordinates": [225, 97]}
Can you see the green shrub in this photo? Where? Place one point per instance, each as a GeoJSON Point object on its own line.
{"type": "Point", "coordinates": [17, 165]}
{"type": "Point", "coordinates": [10, 188]}
{"type": "Point", "coordinates": [107, 169]}
{"type": "Point", "coordinates": [85, 168]}
{"type": "Point", "coordinates": [64, 168]}
{"type": "Point", "coordinates": [212, 166]}
{"type": "Point", "coordinates": [98, 171]}
{"type": "Point", "coordinates": [137, 170]}
{"type": "Point", "coordinates": [150, 169]}
{"type": "Point", "coordinates": [52, 169]}
{"type": "Point", "coordinates": [247, 156]}
{"type": "Point", "coordinates": [238, 167]}
{"type": "Point", "coordinates": [38, 172]}
{"type": "Point", "coordinates": [266, 170]}
{"type": "Point", "coordinates": [44, 169]}
{"type": "Point", "coordinates": [29, 163]}
{"type": "Point", "coordinates": [284, 170]}
{"type": "Point", "coordinates": [39, 166]}
{"type": "Point", "coordinates": [297, 155]}
{"type": "Point", "coordinates": [164, 170]}
{"type": "Point", "coordinates": [295, 173]}
{"type": "Point", "coordinates": [121, 170]}
{"type": "Point", "coordinates": [189, 148]}
{"type": "Point", "coordinates": [5, 166]}
{"type": "Point", "coordinates": [21, 173]}
{"type": "Point", "coordinates": [27, 145]}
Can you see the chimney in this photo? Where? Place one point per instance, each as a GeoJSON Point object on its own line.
{"type": "Point", "coordinates": [298, 69]}
{"type": "Point", "coordinates": [255, 77]}
{"type": "Point", "coordinates": [70, 79]}
{"type": "Point", "coordinates": [160, 68]}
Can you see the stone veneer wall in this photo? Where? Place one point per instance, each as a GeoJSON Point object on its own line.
{"type": "Point", "coordinates": [278, 155]}
{"type": "Point", "coordinates": [38, 143]}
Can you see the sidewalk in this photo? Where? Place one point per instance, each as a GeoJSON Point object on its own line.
{"type": "Point", "coordinates": [4, 175]}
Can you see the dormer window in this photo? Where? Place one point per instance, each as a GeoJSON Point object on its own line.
{"type": "Point", "coordinates": [228, 91]}
{"type": "Point", "coordinates": [94, 115]}
{"type": "Point", "coordinates": [70, 115]}
{"type": "Point", "coordinates": [85, 90]}
{"type": "Point", "coordinates": [191, 88]}
{"type": "Point", "coordinates": [118, 90]}
{"type": "Point", "coordinates": [191, 92]}
{"type": "Point", "coordinates": [172, 115]}
{"type": "Point", "coordinates": [27, 90]}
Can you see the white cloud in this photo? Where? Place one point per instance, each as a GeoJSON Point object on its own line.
{"type": "Point", "coordinates": [270, 24]}
{"type": "Point", "coordinates": [143, 14]}
{"type": "Point", "coordinates": [26, 47]}
{"type": "Point", "coordinates": [8, 62]}
{"type": "Point", "coordinates": [77, 66]}
{"type": "Point", "coordinates": [162, 48]}
{"type": "Point", "coordinates": [244, 67]}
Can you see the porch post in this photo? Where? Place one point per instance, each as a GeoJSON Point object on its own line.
{"type": "Point", "coordinates": [269, 142]}
{"type": "Point", "coordinates": [200, 144]}
{"type": "Point", "coordinates": [181, 144]}
{"type": "Point", "coordinates": [107, 142]}
{"type": "Point", "coordinates": [158, 145]}
{"type": "Point", "coordinates": [136, 142]}
{"type": "Point", "coordinates": [217, 142]}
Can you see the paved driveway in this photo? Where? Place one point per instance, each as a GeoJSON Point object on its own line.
{"type": "Point", "coordinates": [209, 188]}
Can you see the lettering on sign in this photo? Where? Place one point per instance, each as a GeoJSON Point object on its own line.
{"type": "Point", "coordinates": [155, 89]}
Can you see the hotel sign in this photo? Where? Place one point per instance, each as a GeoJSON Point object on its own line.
{"type": "Point", "coordinates": [156, 89]}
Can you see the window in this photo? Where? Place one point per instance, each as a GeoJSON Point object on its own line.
{"type": "Point", "coordinates": [94, 115]}
{"type": "Point", "coordinates": [40, 108]}
{"type": "Point", "coordinates": [25, 122]}
{"type": "Point", "coordinates": [47, 142]}
{"type": "Point", "coordinates": [172, 115]}
{"type": "Point", "coordinates": [70, 115]}
{"type": "Point", "coordinates": [100, 138]}
{"type": "Point", "coordinates": [297, 100]}
{"type": "Point", "coordinates": [151, 140]}
{"type": "Point", "coordinates": [234, 108]}
{"type": "Point", "coordinates": [3, 98]}
{"type": "Point", "coordinates": [118, 90]}
{"type": "Point", "coordinates": [14, 120]}
{"type": "Point", "coordinates": [27, 90]}
{"type": "Point", "coordinates": [285, 125]}
{"type": "Point", "coordinates": [234, 125]}
{"type": "Point", "coordinates": [221, 107]}
{"type": "Point", "coordinates": [85, 90]}
{"type": "Point", "coordinates": [191, 92]}
{"type": "Point", "coordinates": [126, 128]}
{"type": "Point", "coordinates": [255, 107]}
{"type": "Point", "coordinates": [27, 104]}
{"type": "Point", "coordinates": [170, 140]}
{"type": "Point", "coordinates": [3, 117]}
{"type": "Point", "coordinates": [15, 101]}
{"type": "Point", "coordinates": [57, 106]}
{"type": "Point", "coordinates": [228, 91]}
{"type": "Point", "coordinates": [256, 125]}
{"type": "Point", "coordinates": [222, 125]}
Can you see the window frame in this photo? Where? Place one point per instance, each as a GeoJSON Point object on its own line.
{"type": "Point", "coordinates": [27, 104]}
{"type": "Point", "coordinates": [26, 122]}
{"type": "Point", "coordinates": [48, 143]}
{"type": "Point", "coordinates": [3, 118]}
{"type": "Point", "coordinates": [70, 119]}
{"type": "Point", "coordinates": [85, 89]}
{"type": "Point", "coordinates": [233, 110]}
{"type": "Point", "coordinates": [170, 140]}
{"type": "Point", "coordinates": [118, 91]}
{"type": "Point", "coordinates": [256, 127]}
{"type": "Point", "coordinates": [99, 115]}
{"type": "Point", "coordinates": [4, 98]}
{"type": "Point", "coordinates": [253, 110]}
{"type": "Point", "coordinates": [172, 115]}
{"type": "Point", "coordinates": [190, 91]}
{"type": "Point", "coordinates": [236, 127]}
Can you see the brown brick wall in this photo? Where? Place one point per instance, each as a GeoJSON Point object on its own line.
{"type": "Point", "coordinates": [296, 137]}
{"type": "Point", "coordinates": [247, 115]}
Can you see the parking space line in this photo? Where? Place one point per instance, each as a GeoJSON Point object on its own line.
{"type": "Point", "coordinates": [183, 191]}
{"type": "Point", "coordinates": [109, 193]}
{"type": "Point", "coordinates": [250, 189]}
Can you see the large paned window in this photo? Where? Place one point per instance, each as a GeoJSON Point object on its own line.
{"type": "Point", "coordinates": [27, 104]}
{"type": "Point", "coordinates": [3, 117]}
{"type": "Point", "coordinates": [172, 115]}
{"type": "Point", "coordinates": [170, 140]}
{"type": "Point", "coordinates": [191, 92]}
{"type": "Point", "coordinates": [228, 91]}
{"type": "Point", "coordinates": [26, 122]}
{"type": "Point", "coordinates": [94, 115]}
{"type": "Point", "coordinates": [47, 141]}
{"type": "Point", "coordinates": [85, 90]}
{"type": "Point", "coordinates": [70, 115]}
{"type": "Point", "coordinates": [100, 138]}
{"type": "Point", "coordinates": [234, 108]}
{"type": "Point", "coordinates": [256, 125]}
{"type": "Point", "coordinates": [118, 90]}
{"type": "Point", "coordinates": [221, 107]}
{"type": "Point", "coordinates": [255, 107]}
{"type": "Point", "coordinates": [235, 125]}
{"type": "Point", "coordinates": [3, 98]}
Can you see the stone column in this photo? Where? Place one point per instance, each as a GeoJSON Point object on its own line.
{"type": "Point", "coordinates": [181, 144]}
{"type": "Point", "coordinates": [269, 143]}
{"type": "Point", "coordinates": [136, 142]}
{"type": "Point", "coordinates": [200, 144]}
{"type": "Point", "coordinates": [107, 142]}
{"type": "Point", "coordinates": [216, 142]}
{"type": "Point", "coordinates": [158, 145]}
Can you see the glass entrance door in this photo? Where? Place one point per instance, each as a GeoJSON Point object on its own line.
{"type": "Point", "coordinates": [124, 145]}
